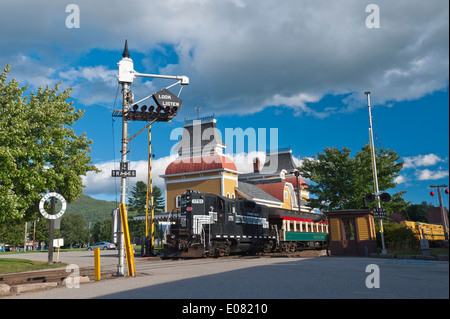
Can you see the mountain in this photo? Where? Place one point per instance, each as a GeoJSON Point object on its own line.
{"type": "Point", "coordinates": [93, 210]}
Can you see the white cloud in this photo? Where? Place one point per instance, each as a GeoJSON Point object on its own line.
{"type": "Point", "coordinates": [421, 160]}
{"type": "Point", "coordinates": [426, 174]}
{"type": "Point", "coordinates": [91, 85]}
{"type": "Point", "coordinates": [400, 179]}
{"type": "Point", "coordinates": [256, 54]}
{"type": "Point", "coordinates": [103, 183]}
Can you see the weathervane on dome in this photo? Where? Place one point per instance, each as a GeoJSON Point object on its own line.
{"type": "Point", "coordinates": [198, 108]}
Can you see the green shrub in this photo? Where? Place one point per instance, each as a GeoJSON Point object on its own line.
{"type": "Point", "coordinates": [398, 239]}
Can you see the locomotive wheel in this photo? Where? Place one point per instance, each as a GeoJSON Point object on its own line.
{"type": "Point", "coordinates": [227, 249]}
{"type": "Point", "coordinates": [181, 245]}
{"type": "Point", "coordinates": [268, 247]}
{"type": "Point", "coordinates": [292, 247]}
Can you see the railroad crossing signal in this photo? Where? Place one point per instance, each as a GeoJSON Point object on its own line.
{"type": "Point", "coordinates": [167, 106]}
{"type": "Point", "coordinates": [377, 212]}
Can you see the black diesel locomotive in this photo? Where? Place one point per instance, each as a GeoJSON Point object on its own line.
{"type": "Point", "coordinates": [212, 225]}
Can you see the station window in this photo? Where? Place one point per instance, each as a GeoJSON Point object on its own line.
{"type": "Point", "coordinates": [349, 228]}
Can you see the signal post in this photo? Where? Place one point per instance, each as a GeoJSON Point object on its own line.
{"type": "Point", "coordinates": [167, 106]}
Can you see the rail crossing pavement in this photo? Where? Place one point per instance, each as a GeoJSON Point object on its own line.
{"type": "Point", "coordinates": [263, 278]}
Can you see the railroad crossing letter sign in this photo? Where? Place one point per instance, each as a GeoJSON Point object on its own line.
{"type": "Point", "coordinates": [380, 213]}
{"type": "Point", "coordinates": [123, 171]}
{"type": "Point", "coordinates": [166, 98]}
{"type": "Point", "coordinates": [117, 173]}
{"type": "Point", "coordinates": [60, 213]}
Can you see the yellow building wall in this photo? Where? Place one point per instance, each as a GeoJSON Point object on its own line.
{"type": "Point", "coordinates": [229, 185]}
{"type": "Point", "coordinates": [287, 201]}
{"type": "Point", "coordinates": [211, 185]}
{"type": "Point", "coordinates": [363, 228]}
{"type": "Point", "coordinates": [335, 229]}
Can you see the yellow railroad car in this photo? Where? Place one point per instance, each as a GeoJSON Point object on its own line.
{"type": "Point", "coordinates": [433, 232]}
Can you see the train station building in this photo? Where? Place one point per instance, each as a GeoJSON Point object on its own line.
{"type": "Point", "coordinates": [201, 165]}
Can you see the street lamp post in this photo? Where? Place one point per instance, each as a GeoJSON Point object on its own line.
{"type": "Point", "coordinates": [444, 219]}
{"type": "Point", "coordinates": [374, 168]}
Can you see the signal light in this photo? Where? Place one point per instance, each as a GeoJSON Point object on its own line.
{"type": "Point", "coordinates": [135, 107]}
{"type": "Point", "coordinates": [370, 197]}
{"type": "Point", "coordinates": [143, 108]}
{"type": "Point", "coordinates": [432, 193]}
{"type": "Point", "coordinates": [446, 191]}
{"type": "Point", "coordinates": [151, 108]}
{"type": "Point", "coordinates": [159, 109]}
{"type": "Point", "coordinates": [385, 197]}
{"type": "Point", "coordinates": [167, 109]}
{"type": "Point", "coordinates": [174, 110]}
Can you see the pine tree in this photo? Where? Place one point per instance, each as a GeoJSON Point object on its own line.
{"type": "Point", "coordinates": [138, 199]}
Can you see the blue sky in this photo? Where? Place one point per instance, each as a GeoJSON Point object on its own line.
{"type": "Point", "coordinates": [299, 67]}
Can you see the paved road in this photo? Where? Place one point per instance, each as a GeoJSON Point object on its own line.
{"type": "Point", "coordinates": [263, 278]}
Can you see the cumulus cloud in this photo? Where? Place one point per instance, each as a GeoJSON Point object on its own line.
{"type": "Point", "coordinates": [426, 174]}
{"type": "Point", "coordinates": [103, 184]}
{"type": "Point", "coordinates": [400, 179]}
{"type": "Point", "coordinates": [257, 54]}
{"type": "Point", "coordinates": [421, 160]}
{"type": "Point", "coordinates": [415, 163]}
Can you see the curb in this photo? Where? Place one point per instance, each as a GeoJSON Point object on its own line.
{"type": "Point", "coordinates": [17, 289]}
{"type": "Point", "coordinates": [419, 257]}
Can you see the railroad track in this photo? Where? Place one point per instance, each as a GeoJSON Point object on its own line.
{"type": "Point", "coordinates": [46, 276]}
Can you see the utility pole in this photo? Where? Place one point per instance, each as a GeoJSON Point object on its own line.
{"type": "Point", "coordinates": [51, 233]}
{"type": "Point", "coordinates": [444, 219]}
{"type": "Point", "coordinates": [374, 168]}
{"type": "Point", "coordinates": [167, 107]}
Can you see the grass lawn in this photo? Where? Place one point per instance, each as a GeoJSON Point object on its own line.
{"type": "Point", "coordinates": [438, 251]}
{"type": "Point", "coordinates": [12, 265]}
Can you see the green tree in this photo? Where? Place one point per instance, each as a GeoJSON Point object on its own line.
{"type": "Point", "coordinates": [12, 233]}
{"type": "Point", "coordinates": [73, 229]}
{"type": "Point", "coordinates": [39, 152]}
{"type": "Point", "coordinates": [138, 198]}
{"type": "Point", "coordinates": [102, 230]}
{"type": "Point", "coordinates": [417, 212]}
{"type": "Point", "coordinates": [339, 181]}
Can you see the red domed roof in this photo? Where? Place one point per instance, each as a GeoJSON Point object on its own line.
{"type": "Point", "coordinates": [200, 163]}
{"type": "Point", "coordinates": [293, 181]}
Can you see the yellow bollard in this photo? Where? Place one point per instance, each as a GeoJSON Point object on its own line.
{"type": "Point", "coordinates": [128, 247]}
{"type": "Point", "coordinates": [97, 263]}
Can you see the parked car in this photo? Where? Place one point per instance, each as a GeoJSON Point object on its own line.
{"type": "Point", "coordinates": [102, 245]}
